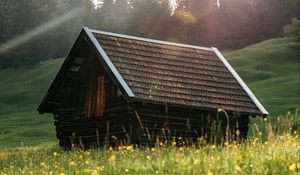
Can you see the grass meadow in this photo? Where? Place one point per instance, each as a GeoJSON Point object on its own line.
{"type": "Point", "coordinates": [271, 70]}
{"type": "Point", "coordinates": [279, 153]}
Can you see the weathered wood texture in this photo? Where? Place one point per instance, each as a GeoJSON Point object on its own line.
{"type": "Point", "coordinates": [186, 126]}
{"type": "Point", "coordinates": [146, 125]}
{"type": "Point", "coordinates": [74, 128]}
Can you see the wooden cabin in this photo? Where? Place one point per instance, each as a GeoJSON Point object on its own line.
{"type": "Point", "coordinates": [115, 89]}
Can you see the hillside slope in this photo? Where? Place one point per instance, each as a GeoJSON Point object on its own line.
{"type": "Point", "coordinates": [271, 69]}
{"type": "Point", "coordinates": [21, 90]}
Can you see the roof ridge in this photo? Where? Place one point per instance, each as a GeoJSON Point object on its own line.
{"type": "Point", "coordinates": [151, 40]}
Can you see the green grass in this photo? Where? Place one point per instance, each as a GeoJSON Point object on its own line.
{"type": "Point", "coordinates": [279, 155]}
{"type": "Point", "coordinates": [21, 90]}
{"type": "Point", "coordinates": [270, 68]}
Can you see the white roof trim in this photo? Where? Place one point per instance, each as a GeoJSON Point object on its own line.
{"type": "Point", "coordinates": [108, 62]}
{"type": "Point", "coordinates": [151, 40]}
{"type": "Point", "coordinates": [241, 82]}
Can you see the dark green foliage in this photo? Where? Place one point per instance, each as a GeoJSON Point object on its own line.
{"type": "Point", "coordinates": [293, 29]}
{"type": "Point", "coordinates": [229, 25]}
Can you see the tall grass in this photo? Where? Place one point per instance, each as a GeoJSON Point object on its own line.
{"type": "Point", "coordinates": [277, 153]}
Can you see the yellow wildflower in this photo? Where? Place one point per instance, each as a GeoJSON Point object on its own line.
{"type": "Point", "coordinates": [88, 153]}
{"type": "Point", "coordinates": [210, 173]}
{"type": "Point", "coordinates": [87, 162]}
{"type": "Point", "coordinates": [213, 146]}
{"type": "Point", "coordinates": [173, 143]}
{"type": "Point", "coordinates": [265, 119]}
{"type": "Point", "coordinates": [61, 173]}
{"type": "Point", "coordinates": [87, 170]}
{"type": "Point", "coordinates": [110, 148]}
{"type": "Point", "coordinates": [237, 168]}
{"type": "Point", "coordinates": [129, 148]}
{"type": "Point", "coordinates": [55, 154]}
{"type": "Point", "coordinates": [153, 149]}
{"type": "Point", "coordinates": [112, 158]}
{"type": "Point", "coordinates": [42, 164]}
{"type": "Point", "coordinates": [80, 156]}
{"type": "Point", "coordinates": [292, 167]}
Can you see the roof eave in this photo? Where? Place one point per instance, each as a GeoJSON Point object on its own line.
{"type": "Point", "coordinates": [241, 82]}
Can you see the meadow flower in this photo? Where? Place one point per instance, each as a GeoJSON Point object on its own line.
{"type": "Point", "coordinates": [239, 158]}
{"type": "Point", "coordinates": [294, 166]}
{"type": "Point", "coordinates": [111, 158]}
{"type": "Point", "coordinates": [173, 143]}
{"type": "Point", "coordinates": [210, 173]}
{"type": "Point", "coordinates": [87, 170]}
{"type": "Point", "coordinates": [55, 154]}
{"type": "Point", "coordinates": [42, 164]}
{"type": "Point", "coordinates": [88, 153]}
{"type": "Point", "coordinates": [129, 148]}
{"type": "Point", "coordinates": [87, 162]}
{"type": "Point", "coordinates": [61, 173]}
{"type": "Point", "coordinates": [153, 149]}
{"type": "Point", "coordinates": [213, 146]}
{"type": "Point", "coordinates": [237, 168]}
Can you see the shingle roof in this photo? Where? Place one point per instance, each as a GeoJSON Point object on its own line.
{"type": "Point", "coordinates": [163, 72]}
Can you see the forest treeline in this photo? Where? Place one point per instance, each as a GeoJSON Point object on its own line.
{"type": "Point", "coordinates": [226, 24]}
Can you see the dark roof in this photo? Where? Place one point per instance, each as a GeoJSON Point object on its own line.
{"type": "Point", "coordinates": [164, 72]}
{"type": "Point", "coordinates": [156, 71]}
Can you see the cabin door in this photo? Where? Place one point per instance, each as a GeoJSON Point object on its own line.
{"type": "Point", "coordinates": [95, 97]}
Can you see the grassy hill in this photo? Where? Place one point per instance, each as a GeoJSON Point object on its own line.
{"type": "Point", "coordinates": [270, 68]}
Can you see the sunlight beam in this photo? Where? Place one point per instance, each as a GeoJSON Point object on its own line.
{"type": "Point", "coordinates": [12, 43]}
